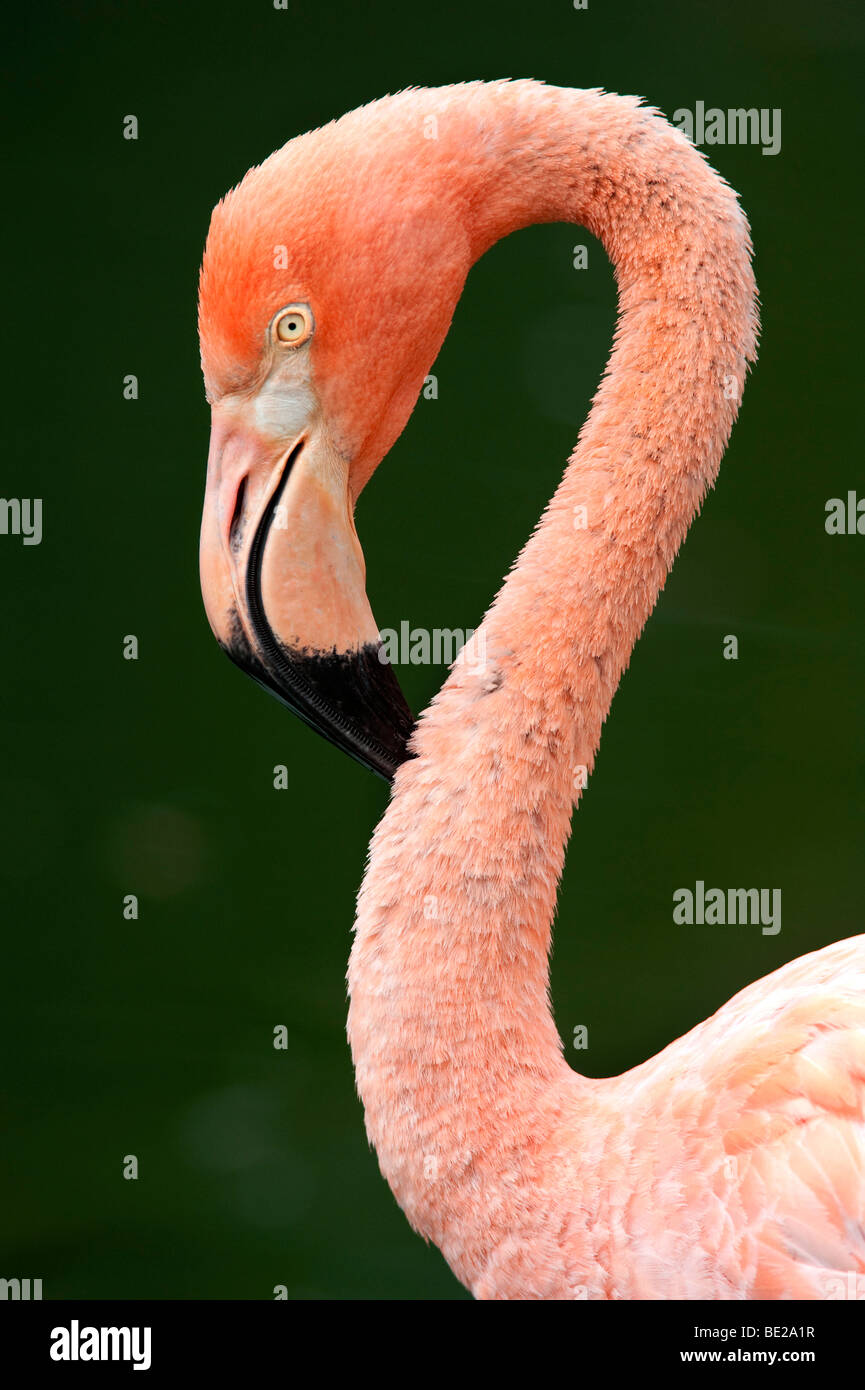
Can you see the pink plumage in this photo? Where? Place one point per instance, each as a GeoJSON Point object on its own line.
{"type": "Point", "coordinates": [732, 1165]}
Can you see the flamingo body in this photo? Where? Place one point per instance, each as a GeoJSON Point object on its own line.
{"type": "Point", "coordinates": [732, 1165]}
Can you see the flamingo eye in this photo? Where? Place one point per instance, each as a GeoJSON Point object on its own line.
{"type": "Point", "coordinates": [294, 325]}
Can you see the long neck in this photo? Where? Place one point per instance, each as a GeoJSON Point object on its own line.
{"type": "Point", "coordinates": [455, 1049]}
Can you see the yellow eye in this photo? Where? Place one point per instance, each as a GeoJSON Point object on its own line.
{"type": "Point", "coordinates": [294, 325]}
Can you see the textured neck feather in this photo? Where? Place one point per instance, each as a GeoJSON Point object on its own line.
{"type": "Point", "coordinates": [458, 1061]}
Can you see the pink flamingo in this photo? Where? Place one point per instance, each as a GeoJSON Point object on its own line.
{"type": "Point", "coordinates": [732, 1165]}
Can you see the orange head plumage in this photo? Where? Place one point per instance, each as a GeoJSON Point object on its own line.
{"type": "Point", "coordinates": [328, 283]}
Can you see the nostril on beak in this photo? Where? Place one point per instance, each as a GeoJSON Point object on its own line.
{"type": "Point", "coordinates": [235, 530]}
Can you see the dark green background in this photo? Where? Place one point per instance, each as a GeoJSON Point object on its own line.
{"type": "Point", "coordinates": [155, 777]}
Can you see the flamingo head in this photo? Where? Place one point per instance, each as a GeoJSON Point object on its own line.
{"type": "Point", "coordinates": [327, 286]}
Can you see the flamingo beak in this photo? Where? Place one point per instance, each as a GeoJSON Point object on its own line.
{"type": "Point", "coordinates": [283, 581]}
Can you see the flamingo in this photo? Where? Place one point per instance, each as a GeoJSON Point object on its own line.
{"type": "Point", "coordinates": [731, 1165]}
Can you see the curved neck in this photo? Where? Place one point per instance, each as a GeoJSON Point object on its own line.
{"type": "Point", "coordinates": [457, 1057]}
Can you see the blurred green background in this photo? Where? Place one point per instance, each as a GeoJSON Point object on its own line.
{"type": "Point", "coordinates": [154, 777]}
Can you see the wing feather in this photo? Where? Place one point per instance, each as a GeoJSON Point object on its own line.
{"type": "Point", "coordinates": [768, 1098]}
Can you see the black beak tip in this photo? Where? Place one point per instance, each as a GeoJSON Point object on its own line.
{"type": "Point", "coordinates": [353, 699]}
